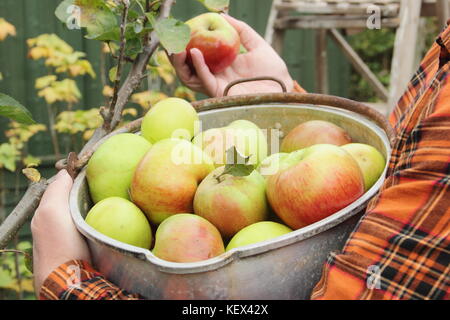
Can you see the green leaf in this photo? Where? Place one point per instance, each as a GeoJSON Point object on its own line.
{"type": "Point", "coordinates": [12, 109]}
{"type": "Point", "coordinates": [8, 157]}
{"type": "Point", "coordinates": [237, 165]}
{"type": "Point", "coordinates": [113, 74]}
{"type": "Point", "coordinates": [216, 5]}
{"type": "Point", "coordinates": [94, 15]}
{"type": "Point", "coordinates": [173, 34]}
{"type": "Point", "coordinates": [29, 259]}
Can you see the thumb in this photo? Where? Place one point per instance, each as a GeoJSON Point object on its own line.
{"type": "Point", "coordinates": [203, 72]}
{"type": "Point", "coordinates": [250, 39]}
{"type": "Point", "coordinates": [58, 191]}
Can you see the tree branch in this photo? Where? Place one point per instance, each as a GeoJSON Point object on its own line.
{"type": "Point", "coordinates": [132, 81]}
{"type": "Point", "coordinates": [107, 116]}
{"type": "Point", "coordinates": [30, 201]}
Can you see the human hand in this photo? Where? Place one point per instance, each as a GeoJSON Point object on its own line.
{"type": "Point", "coordinates": [55, 237]}
{"type": "Point", "coordinates": [260, 60]}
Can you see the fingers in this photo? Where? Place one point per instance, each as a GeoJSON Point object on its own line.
{"type": "Point", "coordinates": [250, 39]}
{"type": "Point", "coordinates": [179, 63]}
{"type": "Point", "coordinates": [202, 70]}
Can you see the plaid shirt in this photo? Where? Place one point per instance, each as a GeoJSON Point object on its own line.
{"type": "Point", "coordinates": [401, 247]}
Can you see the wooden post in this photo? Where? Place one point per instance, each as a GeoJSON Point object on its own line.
{"type": "Point", "coordinates": [360, 65]}
{"type": "Point", "coordinates": [321, 62]}
{"type": "Point", "coordinates": [405, 40]}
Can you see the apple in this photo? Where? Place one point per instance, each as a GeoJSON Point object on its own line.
{"type": "Point", "coordinates": [370, 160]}
{"type": "Point", "coordinates": [271, 165]}
{"type": "Point", "coordinates": [121, 220]}
{"type": "Point", "coordinates": [313, 184]}
{"type": "Point", "coordinates": [111, 167]}
{"type": "Point", "coordinates": [257, 232]}
{"type": "Point", "coordinates": [216, 38]}
{"type": "Point", "coordinates": [314, 132]}
{"type": "Point", "coordinates": [248, 139]}
{"type": "Point", "coordinates": [170, 118]}
{"type": "Point", "coordinates": [231, 203]}
{"type": "Point", "coordinates": [187, 238]}
{"type": "Point", "coordinates": [166, 179]}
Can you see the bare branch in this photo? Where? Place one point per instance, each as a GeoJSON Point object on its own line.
{"type": "Point", "coordinates": [123, 42]}
{"type": "Point", "coordinates": [30, 201]}
{"type": "Point", "coordinates": [23, 210]}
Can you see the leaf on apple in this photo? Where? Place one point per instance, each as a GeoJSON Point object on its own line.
{"type": "Point", "coordinates": [173, 34]}
{"type": "Point", "coordinates": [216, 5]}
{"type": "Point", "coordinates": [12, 109]}
{"type": "Point", "coordinates": [237, 165]}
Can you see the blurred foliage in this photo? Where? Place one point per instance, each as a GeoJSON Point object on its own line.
{"type": "Point", "coordinates": [376, 47]}
{"type": "Point", "coordinates": [6, 29]}
{"type": "Point", "coordinates": [16, 281]}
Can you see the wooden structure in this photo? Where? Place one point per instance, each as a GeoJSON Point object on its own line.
{"type": "Point", "coordinates": [328, 16]}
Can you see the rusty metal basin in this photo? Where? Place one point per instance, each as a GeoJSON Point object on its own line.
{"type": "Point", "coordinates": [287, 267]}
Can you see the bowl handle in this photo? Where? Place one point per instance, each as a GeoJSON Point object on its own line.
{"type": "Point", "coordinates": [235, 82]}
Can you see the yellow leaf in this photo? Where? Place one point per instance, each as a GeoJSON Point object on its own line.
{"type": "Point", "coordinates": [45, 81]}
{"type": "Point", "coordinates": [147, 99]}
{"type": "Point", "coordinates": [32, 174]}
{"type": "Point", "coordinates": [6, 29]}
{"type": "Point", "coordinates": [130, 111]}
{"type": "Point", "coordinates": [108, 91]}
{"type": "Point", "coordinates": [185, 93]}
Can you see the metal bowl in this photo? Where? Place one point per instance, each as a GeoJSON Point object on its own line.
{"type": "Point", "coordinates": [287, 267]}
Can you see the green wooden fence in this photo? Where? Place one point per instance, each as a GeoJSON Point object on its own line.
{"type": "Point", "coordinates": [34, 17]}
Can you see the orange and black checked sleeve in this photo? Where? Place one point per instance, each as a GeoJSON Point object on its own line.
{"type": "Point", "coordinates": [77, 280]}
{"type": "Point", "coordinates": [401, 247]}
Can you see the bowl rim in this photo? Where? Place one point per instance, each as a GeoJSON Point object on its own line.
{"type": "Point", "coordinates": [249, 250]}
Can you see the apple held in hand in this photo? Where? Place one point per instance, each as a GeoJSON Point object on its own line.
{"type": "Point", "coordinates": [121, 220]}
{"type": "Point", "coordinates": [370, 160]}
{"type": "Point", "coordinates": [248, 139]}
{"type": "Point", "coordinates": [187, 238]}
{"type": "Point", "coordinates": [314, 132]}
{"type": "Point", "coordinates": [218, 41]}
{"type": "Point", "coordinates": [170, 118]}
{"type": "Point", "coordinates": [111, 167]}
{"type": "Point", "coordinates": [231, 202]}
{"type": "Point", "coordinates": [257, 232]}
{"type": "Point", "coordinates": [317, 182]}
{"type": "Point", "coordinates": [166, 179]}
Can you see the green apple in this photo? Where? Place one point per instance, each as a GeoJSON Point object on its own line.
{"type": "Point", "coordinates": [248, 139]}
{"type": "Point", "coordinates": [231, 203]}
{"type": "Point", "coordinates": [166, 179]}
{"type": "Point", "coordinates": [314, 132]}
{"type": "Point", "coordinates": [370, 160]}
{"type": "Point", "coordinates": [170, 118]}
{"type": "Point", "coordinates": [121, 220]}
{"type": "Point", "coordinates": [257, 232]}
{"type": "Point", "coordinates": [111, 167]}
{"type": "Point", "coordinates": [313, 184]}
{"type": "Point", "coordinates": [187, 238]}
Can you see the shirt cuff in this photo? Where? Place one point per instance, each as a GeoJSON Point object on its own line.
{"type": "Point", "coordinates": [66, 276]}
{"type": "Point", "coordinates": [297, 88]}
